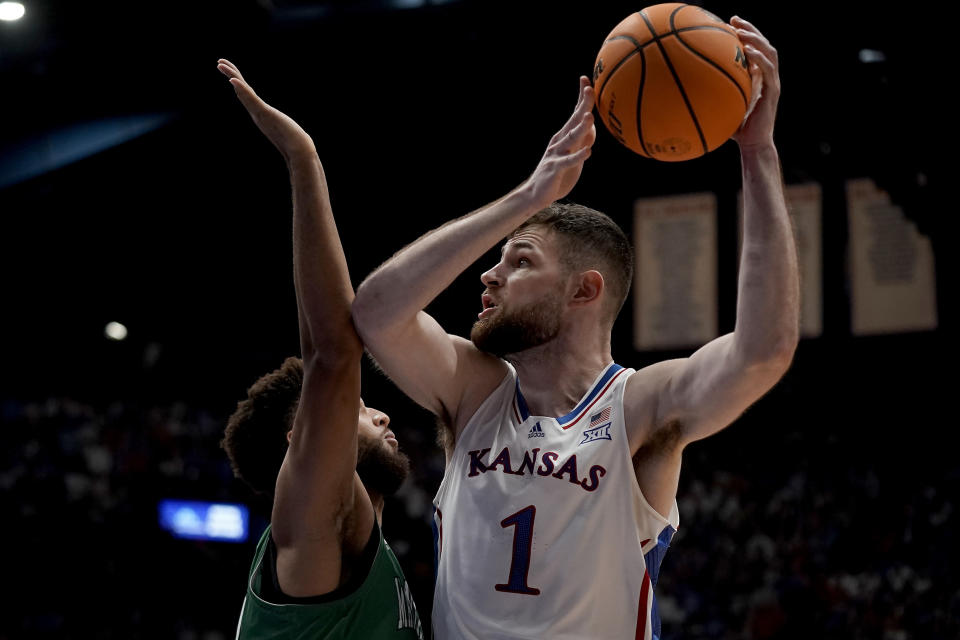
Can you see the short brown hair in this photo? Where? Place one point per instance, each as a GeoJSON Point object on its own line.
{"type": "Point", "coordinates": [256, 435]}
{"type": "Point", "coordinates": [590, 240]}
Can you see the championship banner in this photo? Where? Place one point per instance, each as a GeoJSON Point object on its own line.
{"type": "Point", "coordinates": [675, 284]}
{"type": "Point", "coordinates": [893, 283]}
{"type": "Point", "coordinates": [805, 204]}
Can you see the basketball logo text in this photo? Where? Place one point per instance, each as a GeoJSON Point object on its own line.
{"type": "Point", "coordinates": [616, 127]}
{"type": "Point", "coordinates": [741, 58]}
{"type": "Point", "coordinates": [597, 70]}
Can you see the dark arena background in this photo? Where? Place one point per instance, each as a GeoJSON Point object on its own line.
{"type": "Point", "coordinates": [135, 190]}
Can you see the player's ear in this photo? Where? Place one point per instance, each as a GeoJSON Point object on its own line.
{"type": "Point", "coordinates": [589, 286]}
{"type": "Point", "coordinates": [289, 435]}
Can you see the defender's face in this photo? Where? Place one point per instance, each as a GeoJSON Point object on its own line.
{"type": "Point", "coordinates": [380, 463]}
{"type": "Point", "coordinates": [523, 300]}
{"type": "Point", "coordinates": [373, 428]}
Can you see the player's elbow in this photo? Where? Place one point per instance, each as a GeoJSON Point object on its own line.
{"type": "Point", "coordinates": [772, 351]}
{"type": "Point", "coordinates": [333, 357]}
{"type": "Point", "coordinates": [782, 349]}
{"type": "Point", "coordinates": [367, 311]}
{"type": "Point", "coordinates": [769, 360]}
{"type": "Point", "coordinates": [774, 362]}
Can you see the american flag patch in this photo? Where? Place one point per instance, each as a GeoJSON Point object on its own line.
{"type": "Point", "coordinates": [597, 418]}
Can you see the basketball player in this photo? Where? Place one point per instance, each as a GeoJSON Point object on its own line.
{"type": "Point", "coordinates": [559, 496]}
{"type": "Point", "coordinates": [322, 568]}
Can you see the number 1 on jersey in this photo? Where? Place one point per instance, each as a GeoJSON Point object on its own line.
{"type": "Point", "coordinates": [522, 546]}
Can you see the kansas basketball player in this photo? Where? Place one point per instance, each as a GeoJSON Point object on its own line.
{"type": "Point", "coordinates": [559, 496]}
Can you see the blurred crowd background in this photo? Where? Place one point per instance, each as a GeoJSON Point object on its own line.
{"type": "Point", "coordinates": [134, 189]}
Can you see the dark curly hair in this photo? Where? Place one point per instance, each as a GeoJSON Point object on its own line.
{"type": "Point", "coordinates": [256, 435]}
{"type": "Point", "coordinates": [590, 240]}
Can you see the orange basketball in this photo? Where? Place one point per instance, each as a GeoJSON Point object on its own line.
{"type": "Point", "coordinates": [672, 82]}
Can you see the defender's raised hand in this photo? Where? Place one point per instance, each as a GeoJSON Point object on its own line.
{"type": "Point", "coordinates": [285, 134]}
{"type": "Point", "coordinates": [569, 148]}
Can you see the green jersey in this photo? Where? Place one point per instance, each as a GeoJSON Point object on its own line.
{"type": "Point", "coordinates": [380, 607]}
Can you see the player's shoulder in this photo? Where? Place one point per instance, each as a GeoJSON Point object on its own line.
{"type": "Point", "coordinates": [649, 379]}
{"type": "Point", "coordinates": [481, 374]}
{"type": "Point", "coordinates": [642, 394]}
{"type": "Point", "coordinates": [479, 367]}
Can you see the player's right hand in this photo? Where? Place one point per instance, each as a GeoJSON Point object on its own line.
{"type": "Point", "coordinates": [285, 134]}
{"type": "Point", "coordinates": [569, 148]}
{"type": "Point", "coordinates": [757, 129]}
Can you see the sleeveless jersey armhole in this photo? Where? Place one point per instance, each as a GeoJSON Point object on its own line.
{"type": "Point", "coordinates": [271, 592]}
{"type": "Point", "coordinates": [673, 518]}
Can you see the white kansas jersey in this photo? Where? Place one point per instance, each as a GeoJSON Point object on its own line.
{"type": "Point", "coordinates": [541, 529]}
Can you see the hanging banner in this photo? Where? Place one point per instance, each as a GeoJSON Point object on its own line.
{"type": "Point", "coordinates": [893, 283]}
{"type": "Point", "coordinates": [675, 280]}
{"type": "Point", "coordinates": [805, 204]}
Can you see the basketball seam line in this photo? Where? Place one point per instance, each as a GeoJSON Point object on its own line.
{"type": "Point", "coordinates": [676, 79]}
{"type": "Point", "coordinates": [643, 80]}
{"type": "Point", "coordinates": [717, 67]}
{"type": "Point", "coordinates": [672, 32]}
{"type": "Point", "coordinates": [638, 47]}
{"type": "Point", "coordinates": [619, 64]}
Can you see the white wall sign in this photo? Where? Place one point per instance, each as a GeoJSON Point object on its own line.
{"type": "Point", "coordinates": [675, 284]}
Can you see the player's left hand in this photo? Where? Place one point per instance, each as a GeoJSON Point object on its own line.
{"type": "Point", "coordinates": [757, 130]}
{"type": "Point", "coordinates": [562, 162]}
{"type": "Point", "coordinates": [285, 134]}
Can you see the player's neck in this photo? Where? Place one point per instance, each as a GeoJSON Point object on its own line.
{"type": "Point", "coordinates": [555, 376]}
{"type": "Point", "coordinates": [377, 501]}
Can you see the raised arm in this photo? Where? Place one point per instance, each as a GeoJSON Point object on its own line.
{"type": "Point", "coordinates": [678, 401]}
{"type": "Point", "coordinates": [444, 373]}
{"type": "Point", "coordinates": [317, 485]}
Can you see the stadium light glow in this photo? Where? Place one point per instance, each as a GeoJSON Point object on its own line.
{"type": "Point", "coordinates": [202, 520]}
{"type": "Point", "coordinates": [11, 11]}
{"type": "Point", "coordinates": [115, 331]}
{"type": "Point", "coordinates": [871, 56]}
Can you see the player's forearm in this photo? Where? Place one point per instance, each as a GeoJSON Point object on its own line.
{"type": "Point", "coordinates": [321, 278]}
{"type": "Point", "coordinates": [768, 298]}
{"type": "Point", "coordinates": [394, 293]}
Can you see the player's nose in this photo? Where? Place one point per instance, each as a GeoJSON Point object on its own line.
{"type": "Point", "coordinates": [491, 277]}
{"type": "Point", "coordinates": [380, 419]}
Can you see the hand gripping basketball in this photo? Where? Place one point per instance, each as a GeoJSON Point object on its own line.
{"type": "Point", "coordinates": [757, 129]}
{"type": "Point", "coordinates": [569, 148]}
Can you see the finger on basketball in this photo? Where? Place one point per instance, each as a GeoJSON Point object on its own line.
{"type": "Point", "coordinates": [576, 157]}
{"type": "Point", "coordinates": [580, 132]}
{"type": "Point", "coordinates": [739, 22]}
{"type": "Point", "coordinates": [760, 59]}
{"type": "Point", "coordinates": [758, 42]}
{"type": "Point", "coordinates": [587, 96]}
{"type": "Point", "coordinates": [584, 99]}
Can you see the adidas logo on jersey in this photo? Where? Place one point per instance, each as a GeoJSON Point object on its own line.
{"type": "Point", "coordinates": [535, 431]}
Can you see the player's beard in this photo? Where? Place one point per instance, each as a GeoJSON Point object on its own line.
{"type": "Point", "coordinates": [512, 331]}
{"type": "Point", "coordinates": [381, 467]}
